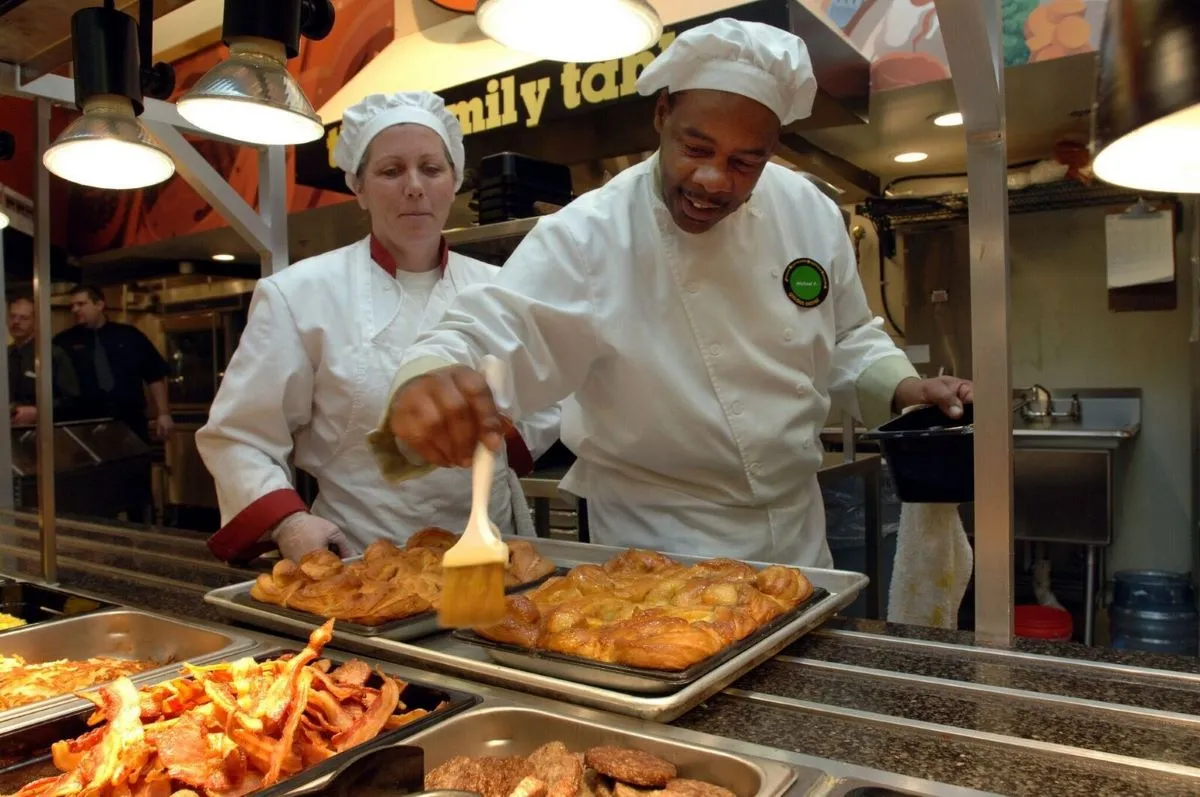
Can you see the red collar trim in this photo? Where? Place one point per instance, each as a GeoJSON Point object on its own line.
{"type": "Point", "coordinates": [383, 258]}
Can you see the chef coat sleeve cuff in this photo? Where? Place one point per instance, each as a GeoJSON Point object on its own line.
{"type": "Point", "coordinates": [397, 462]}
{"type": "Point", "coordinates": [876, 388]}
{"type": "Point", "coordinates": [238, 540]}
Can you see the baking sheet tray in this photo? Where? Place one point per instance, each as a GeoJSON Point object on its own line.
{"type": "Point", "coordinates": [34, 603]}
{"type": "Point", "coordinates": [119, 633]}
{"type": "Point", "coordinates": [443, 653]}
{"type": "Point", "coordinates": [25, 751]}
{"type": "Point", "coordinates": [621, 677]}
{"type": "Point", "coordinates": [418, 625]}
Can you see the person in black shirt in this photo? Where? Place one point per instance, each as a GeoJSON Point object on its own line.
{"type": "Point", "coordinates": [113, 360]}
{"type": "Point", "coordinates": [22, 384]}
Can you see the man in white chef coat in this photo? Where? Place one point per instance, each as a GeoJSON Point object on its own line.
{"type": "Point", "coordinates": [697, 313]}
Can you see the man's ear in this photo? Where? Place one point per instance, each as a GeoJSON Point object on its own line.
{"type": "Point", "coordinates": [662, 109]}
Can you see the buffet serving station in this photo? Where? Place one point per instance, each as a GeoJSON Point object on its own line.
{"type": "Point", "coordinates": [500, 712]}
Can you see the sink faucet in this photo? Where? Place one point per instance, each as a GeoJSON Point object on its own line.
{"type": "Point", "coordinates": [1039, 404]}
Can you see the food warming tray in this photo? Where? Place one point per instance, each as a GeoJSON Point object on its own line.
{"type": "Point", "coordinates": [418, 625]}
{"type": "Point", "coordinates": [443, 653]}
{"type": "Point", "coordinates": [119, 633]}
{"type": "Point", "coordinates": [25, 751]}
{"type": "Point", "coordinates": [518, 730]}
{"type": "Point", "coordinates": [621, 677]}
{"type": "Point", "coordinates": [34, 603]}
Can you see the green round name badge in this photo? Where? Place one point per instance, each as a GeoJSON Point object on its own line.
{"type": "Point", "coordinates": [805, 282]}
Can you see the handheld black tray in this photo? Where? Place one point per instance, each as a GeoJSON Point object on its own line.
{"type": "Point", "coordinates": [931, 456]}
{"type": "Point", "coordinates": [34, 603]}
{"type": "Point", "coordinates": [627, 678]}
{"type": "Point", "coordinates": [418, 625]}
{"type": "Point", "coordinates": [25, 752]}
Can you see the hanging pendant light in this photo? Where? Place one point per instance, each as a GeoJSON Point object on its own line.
{"type": "Point", "coordinates": [108, 146]}
{"type": "Point", "coordinates": [583, 31]}
{"type": "Point", "coordinates": [1147, 118]}
{"type": "Point", "coordinates": [251, 96]}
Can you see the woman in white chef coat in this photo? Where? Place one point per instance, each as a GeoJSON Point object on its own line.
{"type": "Point", "coordinates": [310, 375]}
{"type": "Point", "coordinates": [700, 310]}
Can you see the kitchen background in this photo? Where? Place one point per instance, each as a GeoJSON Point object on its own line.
{"type": "Point", "coordinates": [149, 248]}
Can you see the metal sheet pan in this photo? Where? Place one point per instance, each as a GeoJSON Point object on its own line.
{"type": "Point", "coordinates": [443, 653]}
{"type": "Point", "coordinates": [622, 678]}
{"type": "Point", "coordinates": [414, 627]}
{"type": "Point", "coordinates": [120, 633]}
{"type": "Point", "coordinates": [24, 750]}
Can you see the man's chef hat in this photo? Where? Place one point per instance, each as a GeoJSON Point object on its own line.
{"type": "Point", "coordinates": [758, 61]}
{"type": "Point", "coordinates": [377, 112]}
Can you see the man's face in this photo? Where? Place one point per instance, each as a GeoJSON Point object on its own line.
{"type": "Point", "coordinates": [20, 320]}
{"type": "Point", "coordinates": [713, 147]}
{"type": "Point", "coordinates": [87, 312]}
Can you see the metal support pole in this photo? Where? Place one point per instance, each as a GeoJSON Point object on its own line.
{"type": "Point", "coordinates": [971, 32]}
{"type": "Point", "coordinates": [272, 207]}
{"type": "Point", "coordinates": [7, 500]}
{"type": "Point", "coordinates": [42, 360]}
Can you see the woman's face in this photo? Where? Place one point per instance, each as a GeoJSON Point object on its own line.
{"type": "Point", "coordinates": [406, 183]}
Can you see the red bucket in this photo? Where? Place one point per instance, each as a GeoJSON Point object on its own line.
{"type": "Point", "coordinates": [1042, 622]}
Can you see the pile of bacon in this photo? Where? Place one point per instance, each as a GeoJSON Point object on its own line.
{"type": "Point", "coordinates": [225, 730]}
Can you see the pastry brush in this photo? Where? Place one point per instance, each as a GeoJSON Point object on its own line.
{"type": "Point", "coordinates": [473, 569]}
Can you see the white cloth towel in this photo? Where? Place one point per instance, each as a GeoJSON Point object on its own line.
{"type": "Point", "coordinates": [933, 565]}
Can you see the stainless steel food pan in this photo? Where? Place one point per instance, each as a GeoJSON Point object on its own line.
{"type": "Point", "coordinates": [120, 633]}
{"type": "Point", "coordinates": [512, 730]}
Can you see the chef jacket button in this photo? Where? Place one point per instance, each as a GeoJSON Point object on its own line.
{"type": "Point", "coordinates": [774, 272]}
{"type": "Point", "coordinates": [801, 389]}
{"type": "Point", "coordinates": [754, 467]}
{"type": "Point", "coordinates": [715, 350]}
{"type": "Point", "coordinates": [787, 334]}
{"type": "Point", "coordinates": [693, 288]}
{"type": "Point", "coordinates": [736, 407]}
{"type": "Point", "coordinates": [808, 442]}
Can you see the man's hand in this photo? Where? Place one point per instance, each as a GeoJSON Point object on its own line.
{"type": "Point", "coordinates": [949, 393]}
{"type": "Point", "coordinates": [303, 533]}
{"type": "Point", "coordinates": [443, 415]}
{"type": "Point", "coordinates": [24, 415]}
{"type": "Point", "coordinates": [163, 426]}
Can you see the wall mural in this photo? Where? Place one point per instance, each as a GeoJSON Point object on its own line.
{"type": "Point", "coordinates": [902, 39]}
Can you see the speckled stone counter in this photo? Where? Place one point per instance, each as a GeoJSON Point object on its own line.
{"type": "Point", "coordinates": [1056, 719]}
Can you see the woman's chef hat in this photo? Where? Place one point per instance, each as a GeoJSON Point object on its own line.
{"type": "Point", "coordinates": [758, 61]}
{"type": "Point", "coordinates": [377, 112]}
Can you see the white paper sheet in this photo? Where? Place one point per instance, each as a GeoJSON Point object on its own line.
{"type": "Point", "coordinates": [1141, 248]}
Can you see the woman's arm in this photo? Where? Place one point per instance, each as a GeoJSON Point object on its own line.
{"type": "Point", "coordinates": [266, 394]}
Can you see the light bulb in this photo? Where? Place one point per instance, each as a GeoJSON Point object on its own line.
{"type": "Point", "coordinates": [910, 157]}
{"type": "Point", "coordinates": [584, 31]}
{"type": "Point", "coordinates": [1159, 156]}
{"type": "Point", "coordinates": [251, 97]}
{"type": "Point", "coordinates": [108, 147]}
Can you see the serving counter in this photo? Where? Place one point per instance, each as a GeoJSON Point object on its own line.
{"type": "Point", "coordinates": [859, 701]}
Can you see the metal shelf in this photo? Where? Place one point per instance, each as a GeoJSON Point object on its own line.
{"type": "Point", "coordinates": [492, 243]}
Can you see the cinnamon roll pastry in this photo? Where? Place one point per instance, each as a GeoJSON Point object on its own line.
{"type": "Point", "coordinates": [643, 609]}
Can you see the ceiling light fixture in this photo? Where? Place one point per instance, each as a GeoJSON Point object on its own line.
{"type": "Point", "coordinates": [953, 119]}
{"type": "Point", "coordinates": [223, 257]}
{"type": "Point", "coordinates": [584, 31]}
{"type": "Point", "coordinates": [910, 157]}
{"type": "Point", "coordinates": [108, 146]}
{"type": "Point", "coordinates": [251, 96]}
{"type": "Point", "coordinates": [1147, 117]}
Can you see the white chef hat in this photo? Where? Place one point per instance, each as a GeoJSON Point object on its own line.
{"type": "Point", "coordinates": [758, 61]}
{"type": "Point", "coordinates": [377, 112]}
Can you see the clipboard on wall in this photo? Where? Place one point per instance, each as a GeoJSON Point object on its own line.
{"type": "Point", "coordinates": [1140, 258]}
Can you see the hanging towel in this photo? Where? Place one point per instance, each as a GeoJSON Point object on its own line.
{"type": "Point", "coordinates": [933, 565]}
